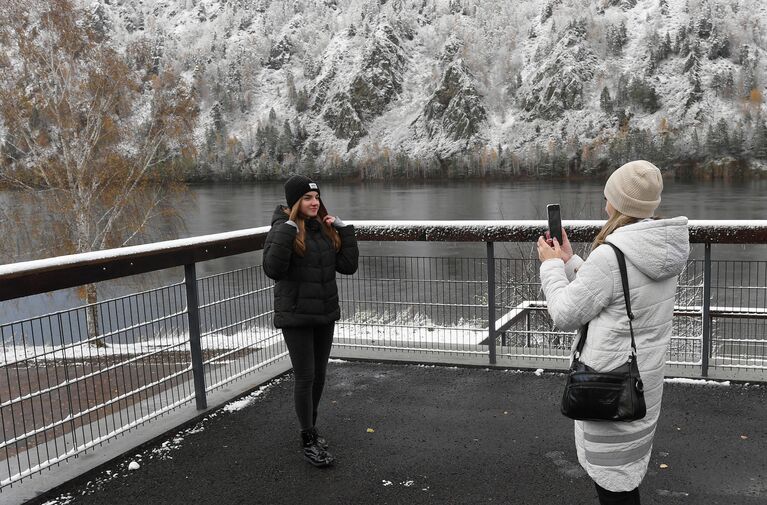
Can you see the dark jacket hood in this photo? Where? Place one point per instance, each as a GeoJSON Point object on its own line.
{"type": "Point", "coordinates": [279, 215]}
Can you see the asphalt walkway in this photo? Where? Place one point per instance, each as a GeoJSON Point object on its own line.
{"type": "Point", "coordinates": [410, 434]}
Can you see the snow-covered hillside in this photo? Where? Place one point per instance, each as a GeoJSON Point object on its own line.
{"type": "Point", "coordinates": [288, 85]}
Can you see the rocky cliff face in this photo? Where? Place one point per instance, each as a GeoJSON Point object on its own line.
{"type": "Point", "coordinates": [363, 91]}
{"type": "Point", "coordinates": [558, 84]}
{"type": "Point", "coordinates": [454, 115]}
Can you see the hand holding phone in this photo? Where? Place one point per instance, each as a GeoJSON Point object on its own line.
{"type": "Point", "coordinates": [555, 222]}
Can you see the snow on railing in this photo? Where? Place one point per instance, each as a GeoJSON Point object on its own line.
{"type": "Point", "coordinates": [40, 276]}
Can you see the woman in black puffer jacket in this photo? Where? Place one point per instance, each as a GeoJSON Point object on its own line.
{"type": "Point", "coordinates": [303, 251]}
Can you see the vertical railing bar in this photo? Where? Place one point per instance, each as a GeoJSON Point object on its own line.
{"type": "Point", "coordinates": [222, 333]}
{"type": "Point", "coordinates": [254, 307]}
{"type": "Point", "coordinates": [181, 381]}
{"type": "Point", "coordinates": [208, 307]}
{"type": "Point", "coordinates": [66, 379]}
{"type": "Point", "coordinates": [159, 303]}
{"type": "Point", "coordinates": [748, 302]}
{"type": "Point", "coordinates": [31, 401]}
{"type": "Point", "coordinates": [491, 300]}
{"type": "Point", "coordinates": [241, 310]}
{"type": "Point", "coordinates": [40, 386]}
{"type": "Point", "coordinates": [57, 388]}
{"type": "Point", "coordinates": [119, 358]}
{"type": "Point", "coordinates": [152, 362]}
{"type": "Point", "coordinates": [218, 295]}
{"type": "Point", "coordinates": [84, 383]}
{"type": "Point", "coordinates": [233, 318]}
{"type": "Point", "coordinates": [174, 338]}
{"type": "Point", "coordinates": [257, 305]}
{"type": "Point", "coordinates": [464, 290]}
{"type": "Point", "coordinates": [2, 416]}
{"type": "Point", "coordinates": [214, 295]}
{"type": "Point", "coordinates": [207, 314]}
{"type": "Point", "coordinates": [114, 370]}
{"type": "Point", "coordinates": [193, 318]}
{"type": "Point", "coordinates": [233, 367]}
{"type": "Point", "coordinates": [262, 303]}
{"type": "Point", "coordinates": [364, 306]}
{"type": "Point", "coordinates": [140, 364]}
{"type": "Point", "coordinates": [706, 346]}
{"type": "Point", "coordinates": [227, 321]}
{"type": "Point", "coordinates": [98, 377]}
{"type": "Point", "coordinates": [129, 322]}
{"type": "Point", "coordinates": [378, 296]}
{"type": "Point", "coordinates": [31, 362]}
{"type": "Point", "coordinates": [246, 314]}
{"type": "Point", "coordinates": [165, 338]}
{"type": "Point", "coordinates": [444, 276]}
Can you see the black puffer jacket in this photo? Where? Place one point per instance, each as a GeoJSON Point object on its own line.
{"type": "Point", "coordinates": [306, 293]}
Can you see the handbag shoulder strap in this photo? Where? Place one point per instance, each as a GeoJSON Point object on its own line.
{"type": "Point", "coordinates": [624, 278]}
{"type": "Point", "coordinates": [626, 294]}
{"type": "Point", "coordinates": [626, 297]}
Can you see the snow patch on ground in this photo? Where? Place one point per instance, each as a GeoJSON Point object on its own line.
{"type": "Point", "coordinates": [696, 382]}
{"type": "Point", "coordinates": [250, 399]}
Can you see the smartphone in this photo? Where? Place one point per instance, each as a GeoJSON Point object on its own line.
{"type": "Point", "coordinates": [555, 222]}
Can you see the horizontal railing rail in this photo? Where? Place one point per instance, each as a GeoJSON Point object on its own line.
{"type": "Point", "coordinates": [172, 345]}
{"type": "Point", "coordinates": [45, 275]}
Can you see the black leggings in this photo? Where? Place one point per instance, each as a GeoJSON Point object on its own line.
{"type": "Point", "coordinates": [309, 348]}
{"type": "Point", "coordinates": [617, 497]}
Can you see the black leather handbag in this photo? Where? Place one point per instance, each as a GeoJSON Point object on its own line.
{"type": "Point", "coordinates": [617, 395]}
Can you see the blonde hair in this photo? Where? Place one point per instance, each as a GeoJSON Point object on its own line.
{"type": "Point", "coordinates": [299, 243]}
{"type": "Point", "coordinates": [616, 221]}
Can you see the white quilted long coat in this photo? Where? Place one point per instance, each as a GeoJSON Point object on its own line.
{"type": "Point", "coordinates": [616, 454]}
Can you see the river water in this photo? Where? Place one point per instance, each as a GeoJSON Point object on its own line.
{"type": "Point", "coordinates": [208, 209]}
{"type": "Point", "coordinates": [219, 208]}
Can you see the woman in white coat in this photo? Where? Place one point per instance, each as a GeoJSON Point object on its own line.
{"type": "Point", "coordinates": [616, 454]}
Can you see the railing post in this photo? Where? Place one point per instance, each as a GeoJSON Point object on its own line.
{"type": "Point", "coordinates": [491, 300]}
{"type": "Point", "coordinates": [706, 345]}
{"type": "Point", "coordinates": [193, 318]}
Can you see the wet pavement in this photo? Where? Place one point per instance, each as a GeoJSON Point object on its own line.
{"type": "Point", "coordinates": [411, 434]}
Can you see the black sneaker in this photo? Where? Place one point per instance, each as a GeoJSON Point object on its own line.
{"type": "Point", "coordinates": [319, 440]}
{"type": "Point", "coordinates": [313, 453]}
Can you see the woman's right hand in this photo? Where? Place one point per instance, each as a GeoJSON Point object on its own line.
{"type": "Point", "coordinates": [567, 249]}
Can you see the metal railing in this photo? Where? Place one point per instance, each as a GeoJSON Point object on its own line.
{"type": "Point", "coordinates": [67, 385]}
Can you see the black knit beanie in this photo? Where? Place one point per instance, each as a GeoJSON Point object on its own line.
{"type": "Point", "coordinates": [297, 186]}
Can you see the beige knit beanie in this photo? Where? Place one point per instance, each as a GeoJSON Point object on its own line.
{"type": "Point", "coordinates": [634, 189]}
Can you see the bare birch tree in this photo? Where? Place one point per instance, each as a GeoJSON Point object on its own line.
{"type": "Point", "coordinates": [91, 145]}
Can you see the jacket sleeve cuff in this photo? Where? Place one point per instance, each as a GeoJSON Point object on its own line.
{"type": "Point", "coordinates": [338, 223]}
{"type": "Point", "coordinates": [572, 266]}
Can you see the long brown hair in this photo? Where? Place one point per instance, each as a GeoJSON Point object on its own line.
{"type": "Point", "coordinates": [299, 243]}
{"type": "Point", "coordinates": [616, 221]}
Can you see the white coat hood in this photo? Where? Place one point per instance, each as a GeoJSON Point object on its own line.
{"type": "Point", "coordinates": [659, 248]}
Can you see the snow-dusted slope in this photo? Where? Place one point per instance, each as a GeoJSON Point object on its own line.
{"type": "Point", "coordinates": [350, 79]}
